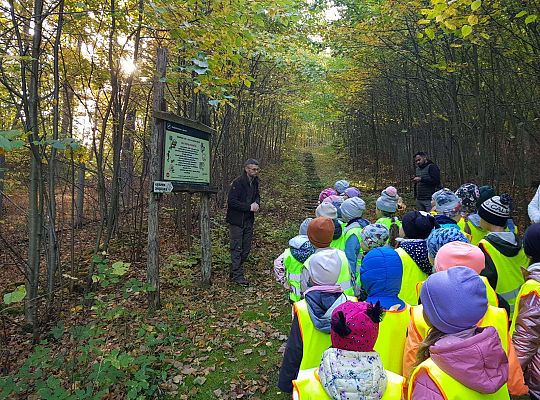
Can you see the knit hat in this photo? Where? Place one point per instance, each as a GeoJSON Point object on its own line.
{"type": "Point", "coordinates": [327, 210]}
{"type": "Point", "coordinates": [486, 192]}
{"type": "Point", "coordinates": [352, 208]}
{"type": "Point", "coordinates": [469, 195]}
{"type": "Point", "coordinates": [320, 231]}
{"type": "Point", "coordinates": [303, 226]}
{"type": "Point", "coordinates": [251, 161]}
{"type": "Point", "coordinates": [531, 242]}
{"type": "Point", "coordinates": [418, 224]}
{"type": "Point", "coordinates": [454, 300]}
{"type": "Point", "coordinates": [439, 237]}
{"type": "Point", "coordinates": [496, 210]}
{"type": "Point", "coordinates": [446, 202]}
{"type": "Point", "coordinates": [325, 193]}
{"type": "Point", "coordinates": [388, 200]}
{"type": "Point", "coordinates": [324, 267]}
{"type": "Point", "coordinates": [341, 185]}
{"type": "Point", "coordinates": [333, 198]}
{"type": "Point", "coordinates": [455, 254]}
{"type": "Point", "coordinates": [374, 235]}
{"type": "Point", "coordinates": [351, 192]}
{"type": "Point", "coordinates": [355, 326]}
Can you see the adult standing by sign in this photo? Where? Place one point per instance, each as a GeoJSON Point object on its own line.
{"type": "Point", "coordinates": [242, 204]}
{"type": "Point", "coordinates": [427, 181]}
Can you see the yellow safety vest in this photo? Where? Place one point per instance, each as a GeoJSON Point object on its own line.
{"type": "Point", "coordinates": [494, 316]}
{"type": "Point", "coordinates": [310, 387]}
{"type": "Point", "coordinates": [477, 233]}
{"type": "Point", "coordinates": [314, 342]}
{"type": "Point", "coordinates": [492, 298]}
{"type": "Point", "coordinates": [509, 277]}
{"type": "Point", "coordinates": [412, 275]}
{"type": "Point", "coordinates": [344, 279]}
{"type": "Point", "coordinates": [390, 342]}
{"type": "Point", "coordinates": [452, 389]}
{"type": "Point", "coordinates": [531, 286]}
{"type": "Point", "coordinates": [293, 272]}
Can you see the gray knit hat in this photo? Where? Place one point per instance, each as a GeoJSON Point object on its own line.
{"type": "Point", "coordinates": [388, 200]}
{"type": "Point", "coordinates": [327, 210]}
{"type": "Point", "coordinates": [352, 208]}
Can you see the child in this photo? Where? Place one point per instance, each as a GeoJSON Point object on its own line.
{"type": "Point", "coordinates": [310, 330]}
{"type": "Point", "coordinates": [413, 251]}
{"type": "Point", "coordinates": [320, 233]}
{"type": "Point", "coordinates": [439, 237]}
{"type": "Point", "coordinates": [380, 274]}
{"type": "Point", "coordinates": [447, 206]}
{"type": "Point", "coordinates": [458, 360]}
{"type": "Point", "coordinates": [326, 193]}
{"type": "Point", "coordinates": [341, 186]}
{"type": "Point", "coordinates": [464, 254]}
{"type": "Point", "coordinates": [288, 266]}
{"type": "Point", "coordinates": [371, 237]}
{"type": "Point", "coordinates": [351, 368]}
{"type": "Point", "coordinates": [386, 209]}
{"type": "Point", "coordinates": [351, 213]}
{"type": "Point", "coordinates": [328, 210]}
{"type": "Point", "coordinates": [503, 250]}
{"type": "Point", "coordinates": [469, 194]}
{"type": "Point", "coordinates": [526, 322]}
{"type": "Point", "coordinates": [351, 192]}
{"type": "Point", "coordinates": [477, 232]}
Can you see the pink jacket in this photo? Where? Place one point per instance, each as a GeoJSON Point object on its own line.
{"type": "Point", "coordinates": [526, 337]}
{"type": "Point", "coordinates": [474, 357]}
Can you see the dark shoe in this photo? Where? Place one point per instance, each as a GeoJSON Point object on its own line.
{"type": "Point", "coordinates": [242, 281]}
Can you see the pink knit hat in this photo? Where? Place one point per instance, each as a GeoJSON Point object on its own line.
{"type": "Point", "coordinates": [355, 326]}
{"type": "Point", "coordinates": [455, 254]}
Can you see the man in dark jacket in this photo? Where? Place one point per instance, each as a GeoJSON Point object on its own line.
{"type": "Point", "coordinates": [426, 182]}
{"type": "Point", "coordinates": [242, 204]}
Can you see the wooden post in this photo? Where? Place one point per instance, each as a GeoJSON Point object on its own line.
{"type": "Point", "coordinates": [206, 243]}
{"type": "Point", "coordinates": [158, 104]}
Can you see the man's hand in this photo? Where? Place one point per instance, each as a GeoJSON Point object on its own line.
{"type": "Point", "coordinates": [416, 179]}
{"type": "Point", "coordinates": [254, 207]}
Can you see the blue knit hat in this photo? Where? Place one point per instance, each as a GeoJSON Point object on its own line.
{"type": "Point", "coordinates": [447, 202]}
{"type": "Point", "coordinates": [454, 300]}
{"type": "Point", "coordinates": [439, 237]}
{"type": "Point", "coordinates": [341, 185]}
{"type": "Point", "coordinates": [388, 201]}
{"type": "Point", "coordinates": [352, 208]}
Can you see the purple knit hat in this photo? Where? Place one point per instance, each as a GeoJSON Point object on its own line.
{"type": "Point", "coordinates": [355, 326]}
{"type": "Point", "coordinates": [454, 300]}
{"type": "Point", "coordinates": [352, 192]}
{"type": "Point", "coordinates": [326, 193]}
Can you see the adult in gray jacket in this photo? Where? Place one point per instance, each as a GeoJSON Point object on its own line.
{"type": "Point", "coordinates": [426, 181]}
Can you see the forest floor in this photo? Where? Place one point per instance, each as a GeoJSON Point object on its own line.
{"type": "Point", "coordinates": [223, 342]}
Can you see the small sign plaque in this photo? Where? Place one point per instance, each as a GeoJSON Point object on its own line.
{"type": "Point", "coordinates": [163, 187]}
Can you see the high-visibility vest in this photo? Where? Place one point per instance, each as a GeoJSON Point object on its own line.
{"type": "Point", "coordinates": [494, 316]}
{"type": "Point", "coordinates": [411, 276]}
{"type": "Point", "coordinates": [477, 233]}
{"type": "Point", "coordinates": [344, 279]}
{"type": "Point", "coordinates": [509, 277]}
{"type": "Point", "coordinates": [390, 342]}
{"type": "Point", "coordinates": [309, 386]}
{"type": "Point", "coordinates": [339, 243]}
{"type": "Point", "coordinates": [314, 342]}
{"type": "Point", "coordinates": [492, 298]}
{"type": "Point", "coordinates": [452, 389]}
{"type": "Point", "coordinates": [293, 272]}
{"type": "Point", "coordinates": [531, 286]}
{"type": "Point", "coordinates": [387, 222]}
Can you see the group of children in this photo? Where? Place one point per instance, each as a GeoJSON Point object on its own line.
{"type": "Point", "coordinates": [440, 305]}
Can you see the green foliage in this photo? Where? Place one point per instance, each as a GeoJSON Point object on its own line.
{"type": "Point", "coordinates": [16, 296]}
{"type": "Point", "coordinates": [9, 140]}
{"type": "Point", "coordinates": [108, 274]}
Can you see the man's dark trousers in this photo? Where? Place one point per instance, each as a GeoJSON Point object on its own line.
{"type": "Point", "coordinates": [240, 247]}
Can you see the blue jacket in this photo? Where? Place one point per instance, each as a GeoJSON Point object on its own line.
{"type": "Point", "coordinates": [381, 274]}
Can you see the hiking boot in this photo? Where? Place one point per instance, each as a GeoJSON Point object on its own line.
{"type": "Point", "coordinates": [242, 281]}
